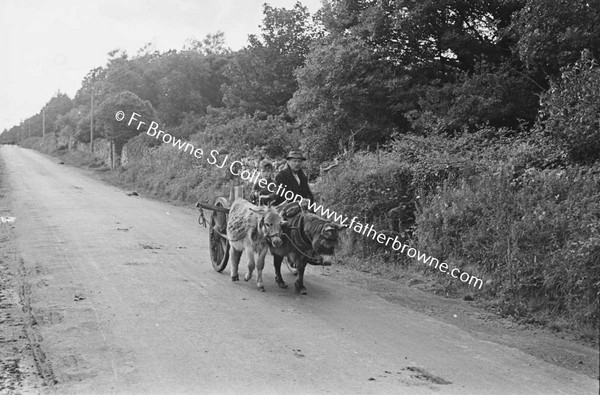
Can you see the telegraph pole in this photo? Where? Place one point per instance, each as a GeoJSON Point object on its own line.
{"type": "Point", "coordinates": [92, 120]}
{"type": "Point", "coordinates": [43, 123]}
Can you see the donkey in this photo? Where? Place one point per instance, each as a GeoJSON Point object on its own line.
{"type": "Point", "coordinates": [252, 229]}
{"type": "Point", "coordinates": [308, 239]}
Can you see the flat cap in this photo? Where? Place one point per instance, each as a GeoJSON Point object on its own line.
{"type": "Point", "coordinates": [266, 164]}
{"type": "Point", "coordinates": [296, 154]}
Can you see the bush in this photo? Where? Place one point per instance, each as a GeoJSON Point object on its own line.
{"type": "Point", "coordinates": [496, 202]}
{"type": "Point", "coordinates": [384, 188]}
{"type": "Point", "coordinates": [537, 235]}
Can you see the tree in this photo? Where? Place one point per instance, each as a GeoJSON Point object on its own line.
{"type": "Point", "coordinates": [552, 34]}
{"type": "Point", "coordinates": [190, 82]}
{"type": "Point", "coordinates": [212, 44]}
{"type": "Point", "coordinates": [346, 90]}
{"type": "Point", "coordinates": [570, 109]}
{"type": "Point", "coordinates": [256, 135]}
{"type": "Point", "coordinates": [118, 132]}
{"type": "Point", "coordinates": [82, 128]}
{"type": "Point", "coordinates": [94, 82]}
{"type": "Point", "coordinates": [437, 39]}
{"type": "Point", "coordinates": [74, 125]}
{"type": "Point", "coordinates": [498, 95]}
{"type": "Point", "coordinates": [261, 76]}
{"type": "Point", "coordinates": [175, 83]}
{"type": "Point", "coordinates": [58, 105]}
{"type": "Point", "coordinates": [12, 135]}
{"type": "Point", "coordinates": [445, 65]}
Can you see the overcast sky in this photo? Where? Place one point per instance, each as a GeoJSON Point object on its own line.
{"type": "Point", "coordinates": [47, 46]}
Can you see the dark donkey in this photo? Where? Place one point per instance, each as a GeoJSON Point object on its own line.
{"type": "Point", "coordinates": [308, 239]}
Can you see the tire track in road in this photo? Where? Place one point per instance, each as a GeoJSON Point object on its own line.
{"type": "Point", "coordinates": [43, 367]}
{"type": "Point", "coordinates": [23, 367]}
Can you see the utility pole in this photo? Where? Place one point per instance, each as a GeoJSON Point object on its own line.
{"type": "Point", "coordinates": [43, 123]}
{"type": "Point", "coordinates": [92, 120]}
{"type": "Point", "coordinates": [112, 159]}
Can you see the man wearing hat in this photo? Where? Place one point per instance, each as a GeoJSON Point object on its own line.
{"type": "Point", "coordinates": [292, 178]}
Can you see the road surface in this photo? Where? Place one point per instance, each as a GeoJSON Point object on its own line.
{"type": "Point", "coordinates": [123, 299]}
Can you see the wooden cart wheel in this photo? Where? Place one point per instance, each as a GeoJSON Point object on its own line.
{"type": "Point", "coordinates": [219, 245]}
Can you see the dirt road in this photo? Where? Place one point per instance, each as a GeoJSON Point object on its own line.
{"type": "Point", "coordinates": [121, 297]}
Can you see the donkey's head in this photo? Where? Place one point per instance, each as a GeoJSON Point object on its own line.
{"type": "Point", "coordinates": [270, 225]}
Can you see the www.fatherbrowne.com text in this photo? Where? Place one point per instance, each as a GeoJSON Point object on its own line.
{"type": "Point", "coordinates": [236, 168]}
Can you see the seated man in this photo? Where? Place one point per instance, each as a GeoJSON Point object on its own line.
{"type": "Point", "coordinates": [293, 178]}
{"type": "Point", "coordinates": [262, 196]}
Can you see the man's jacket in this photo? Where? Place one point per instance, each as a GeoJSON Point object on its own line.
{"type": "Point", "coordinates": [287, 179]}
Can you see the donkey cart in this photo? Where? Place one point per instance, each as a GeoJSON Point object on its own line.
{"type": "Point", "coordinates": [217, 228]}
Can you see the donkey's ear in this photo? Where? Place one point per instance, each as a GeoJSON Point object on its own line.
{"type": "Point", "coordinates": [341, 227]}
{"type": "Point", "coordinates": [333, 226]}
{"type": "Point", "coordinates": [261, 210]}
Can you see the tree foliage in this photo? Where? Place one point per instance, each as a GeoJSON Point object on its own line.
{"type": "Point", "coordinates": [259, 135]}
{"type": "Point", "coordinates": [261, 76]}
{"type": "Point", "coordinates": [212, 44]}
{"type": "Point", "coordinates": [117, 130]}
{"type": "Point", "coordinates": [174, 82]}
{"type": "Point", "coordinates": [400, 66]}
{"type": "Point", "coordinates": [570, 110]}
{"type": "Point", "coordinates": [552, 34]}
{"type": "Point", "coordinates": [346, 91]}
{"type": "Point", "coordinates": [58, 105]}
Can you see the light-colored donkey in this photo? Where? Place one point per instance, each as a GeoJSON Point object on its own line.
{"type": "Point", "coordinates": [252, 228]}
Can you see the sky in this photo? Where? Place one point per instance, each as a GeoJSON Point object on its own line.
{"type": "Point", "coordinates": [49, 46]}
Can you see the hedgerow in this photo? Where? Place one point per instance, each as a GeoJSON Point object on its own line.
{"type": "Point", "coordinates": [537, 236]}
